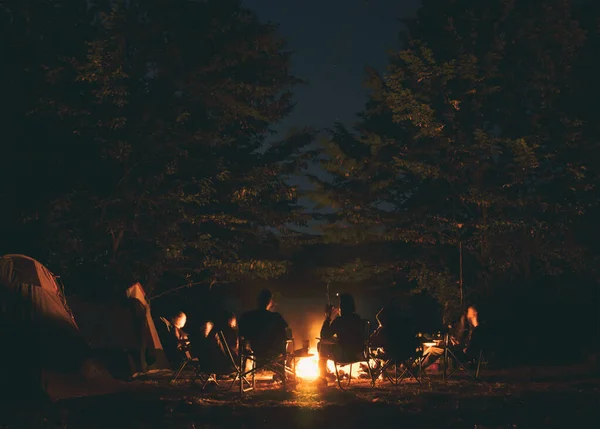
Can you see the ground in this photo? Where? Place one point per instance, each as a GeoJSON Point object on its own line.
{"type": "Point", "coordinates": [526, 398]}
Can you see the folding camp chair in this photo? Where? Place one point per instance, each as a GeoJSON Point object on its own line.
{"type": "Point", "coordinates": [403, 363]}
{"type": "Point", "coordinates": [460, 363]}
{"type": "Point", "coordinates": [204, 367]}
{"type": "Point", "coordinates": [282, 363]}
{"type": "Point", "coordinates": [364, 356]}
{"type": "Point", "coordinates": [178, 351]}
{"type": "Point", "coordinates": [209, 371]}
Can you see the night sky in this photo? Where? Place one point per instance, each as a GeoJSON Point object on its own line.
{"type": "Point", "coordinates": [333, 41]}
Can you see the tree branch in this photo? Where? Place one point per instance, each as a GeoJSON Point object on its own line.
{"type": "Point", "coordinates": [212, 282]}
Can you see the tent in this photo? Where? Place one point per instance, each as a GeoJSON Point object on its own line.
{"type": "Point", "coordinates": [42, 347]}
{"type": "Point", "coordinates": [122, 332]}
{"type": "Point", "coordinates": [149, 336]}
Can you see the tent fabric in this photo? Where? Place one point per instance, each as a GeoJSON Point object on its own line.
{"type": "Point", "coordinates": [122, 331]}
{"type": "Point", "coordinates": [106, 324]}
{"type": "Point", "coordinates": [149, 335]}
{"type": "Point", "coordinates": [42, 344]}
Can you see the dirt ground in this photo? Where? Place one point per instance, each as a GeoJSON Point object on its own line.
{"type": "Point", "coordinates": [526, 398]}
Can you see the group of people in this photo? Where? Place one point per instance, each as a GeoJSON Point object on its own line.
{"type": "Point", "coordinates": [343, 335]}
{"type": "Point", "coordinates": [263, 330]}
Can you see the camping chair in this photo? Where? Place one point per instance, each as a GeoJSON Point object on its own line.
{"type": "Point", "coordinates": [364, 356]}
{"type": "Point", "coordinates": [209, 370]}
{"type": "Point", "coordinates": [460, 363]}
{"type": "Point", "coordinates": [178, 351]}
{"type": "Point", "coordinates": [282, 363]}
{"type": "Point", "coordinates": [403, 360]}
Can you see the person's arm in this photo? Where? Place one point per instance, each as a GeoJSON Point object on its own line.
{"type": "Point", "coordinates": [286, 327]}
{"type": "Point", "coordinates": [331, 328]}
{"type": "Point", "coordinates": [330, 316]}
{"type": "Point", "coordinates": [326, 329]}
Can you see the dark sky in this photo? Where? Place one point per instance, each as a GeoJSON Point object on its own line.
{"type": "Point", "coordinates": [333, 41]}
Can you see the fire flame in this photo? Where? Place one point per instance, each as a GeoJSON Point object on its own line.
{"type": "Point", "coordinates": [307, 368]}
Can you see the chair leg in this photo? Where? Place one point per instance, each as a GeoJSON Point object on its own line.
{"type": "Point", "coordinates": [242, 369]}
{"type": "Point", "coordinates": [349, 375]}
{"type": "Point", "coordinates": [197, 374]}
{"type": "Point", "coordinates": [284, 374]}
{"type": "Point", "coordinates": [179, 371]}
{"type": "Point", "coordinates": [371, 374]}
{"type": "Point", "coordinates": [445, 364]}
{"type": "Point", "coordinates": [392, 378]}
{"type": "Point", "coordinates": [242, 376]}
{"type": "Point", "coordinates": [210, 378]}
{"type": "Point", "coordinates": [422, 372]}
{"type": "Point", "coordinates": [337, 375]}
{"type": "Point", "coordinates": [459, 365]}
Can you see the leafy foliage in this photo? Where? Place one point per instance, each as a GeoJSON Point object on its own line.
{"type": "Point", "coordinates": [469, 139]}
{"type": "Point", "coordinates": [164, 117]}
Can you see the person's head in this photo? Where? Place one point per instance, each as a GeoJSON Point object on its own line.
{"type": "Point", "coordinates": [472, 315]}
{"type": "Point", "coordinates": [179, 320]}
{"type": "Point", "coordinates": [232, 321]}
{"type": "Point", "coordinates": [347, 305]}
{"type": "Point", "coordinates": [265, 299]}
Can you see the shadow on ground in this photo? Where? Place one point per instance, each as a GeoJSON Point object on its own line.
{"type": "Point", "coordinates": [517, 403]}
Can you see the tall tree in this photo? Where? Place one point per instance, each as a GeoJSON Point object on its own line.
{"type": "Point", "coordinates": [35, 36]}
{"type": "Point", "coordinates": [467, 142]}
{"type": "Point", "coordinates": [168, 117]}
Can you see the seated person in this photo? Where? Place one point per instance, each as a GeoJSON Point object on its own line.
{"type": "Point", "coordinates": [395, 335]}
{"type": "Point", "coordinates": [211, 351]}
{"type": "Point", "coordinates": [178, 322]}
{"type": "Point", "coordinates": [265, 330]}
{"type": "Point", "coordinates": [342, 337]}
{"type": "Point", "coordinates": [225, 322]}
{"type": "Point", "coordinates": [173, 338]}
{"type": "Point", "coordinates": [465, 340]}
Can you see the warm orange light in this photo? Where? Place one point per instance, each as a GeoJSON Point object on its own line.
{"type": "Point", "coordinates": [307, 368]}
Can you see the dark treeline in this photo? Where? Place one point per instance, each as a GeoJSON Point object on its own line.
{"type": "Point", "coordinates": [482, 135]}
{"type": "Point", "coordinates": [137, 144]}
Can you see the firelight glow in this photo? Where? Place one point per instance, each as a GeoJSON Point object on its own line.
{"type": "Point", "coordinates": [307, 368]}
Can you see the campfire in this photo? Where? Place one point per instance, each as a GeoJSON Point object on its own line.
{"type": "Point", "coordinates": [307, 368]}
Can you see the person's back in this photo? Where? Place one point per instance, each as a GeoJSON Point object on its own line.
{"type": "Point", "coordinates": [477, 335]}
{"type": "Point", "coordinates": [401, 337]}
{"type": "Point", "coordinates": [265, 330]}
{"type": "Point", "coordinates": [350, 332]}
{"type": "Point", "coordinates": [348, 329]}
